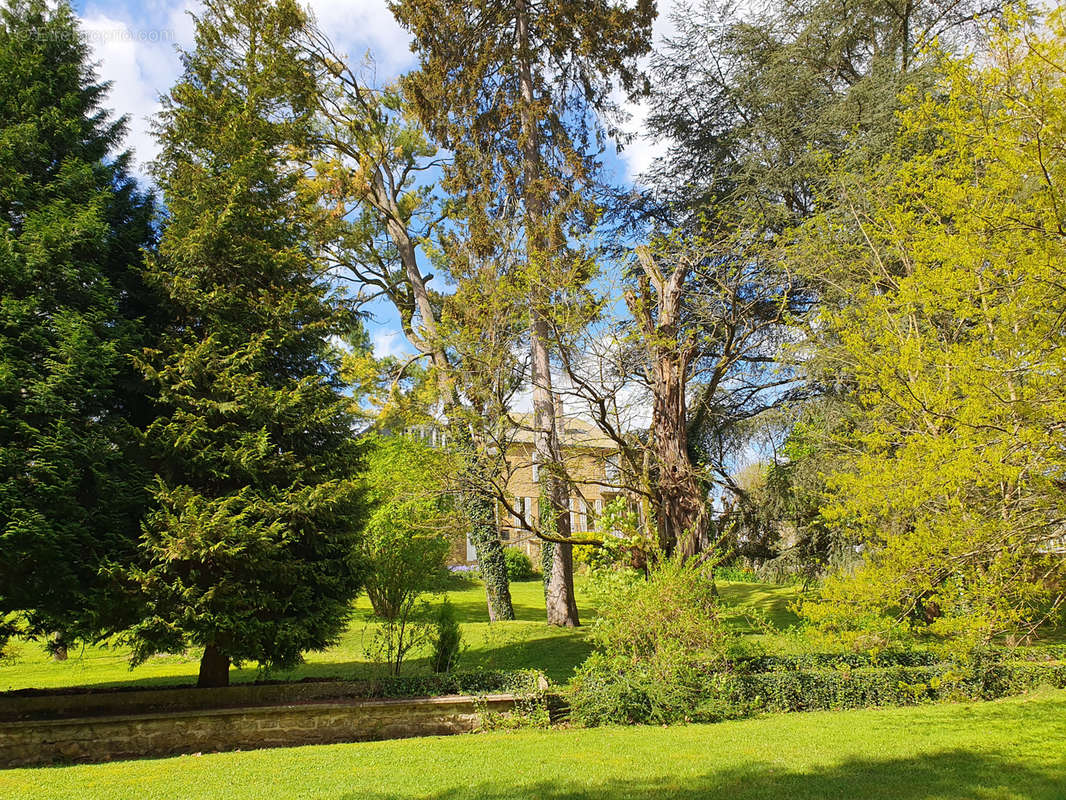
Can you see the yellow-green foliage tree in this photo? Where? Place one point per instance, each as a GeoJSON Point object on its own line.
{"type": "Point", "coordinates": [412, 524]}
{"type": "Point", "coordinates": [943, 264]}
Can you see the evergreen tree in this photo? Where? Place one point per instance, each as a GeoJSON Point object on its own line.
{"type": "Point", "coordinates": [72, 308]}
{"type": "Point", "coordinates": [517, 91]}
{"type": "Point", "coordinates": [250, 548]}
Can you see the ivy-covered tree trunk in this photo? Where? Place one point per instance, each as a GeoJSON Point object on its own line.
{"type": "Point", "coordinates": [480, 508]}
{"type": "Point", "coordinates": [486, 540]}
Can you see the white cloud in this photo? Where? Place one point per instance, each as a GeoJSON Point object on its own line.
{"type": "Point", "coordinates": [367, 26]}
{"type": "Point", "coordinates": [642, 151]}
{"type": "Point", "coordinates": [136, 50]}
{"type": "Point", "coordinates": [390, 343]}
{"type": "Point", "coordinates": [141, 64]}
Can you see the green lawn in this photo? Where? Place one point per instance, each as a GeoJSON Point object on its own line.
{"type": "Point", "coordinates": [1010, 749]}
{"type": "Point", "coordinates": [526, 643]}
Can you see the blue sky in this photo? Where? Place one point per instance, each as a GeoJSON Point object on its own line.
{"type": "Point", "coordinates": [135, 45]}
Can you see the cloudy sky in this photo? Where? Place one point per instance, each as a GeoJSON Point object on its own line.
{"type": "Point", "coordinates": [135, 43]}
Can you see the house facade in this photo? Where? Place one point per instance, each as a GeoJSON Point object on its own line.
{"type": "Point", "coordinates": [591, 462]}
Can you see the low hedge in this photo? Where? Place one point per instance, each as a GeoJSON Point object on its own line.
{"type": "Point", "coordinates": [1040, 652]}
{"type": "Point", "coordinates": [813, 661]}
{"type": "Point", "coordinates": [609, 691]}
{"type": "Point", "coordinates": [889, 658]}
{"type": "Point", "coordinates": [808, 690]}
{"type": "Point", "coordinates": [475, 682]}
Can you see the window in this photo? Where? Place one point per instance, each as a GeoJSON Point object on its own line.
{"type": "Point", "coordinates": [536, 472]}
{"type": "Point", "coordinates": [578, 515]}
{"type": "Point", "coordinates": [610, 468]}
{"type": "Point", "coordinates": [594, 518]}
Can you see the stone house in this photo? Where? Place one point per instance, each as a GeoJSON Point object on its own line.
{"type": "Point", "coordinates": [591, 461]}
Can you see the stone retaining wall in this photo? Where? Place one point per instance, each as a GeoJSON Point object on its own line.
{"type": "Point", "coordinates": [101, 738]}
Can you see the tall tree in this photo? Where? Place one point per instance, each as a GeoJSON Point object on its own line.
{"type": "Point", "coordinates": [751, 100]}
{"type": "Point", "coordinates": [941, 266]}
{"type": "Point", "coordinates": [516, 92]}
{"type": "Point", "coordinates": [250, 548]}
{"type": "Point", "coordinates": [375, 163]}
{"type": "Point", "coordinates": [73, 304]}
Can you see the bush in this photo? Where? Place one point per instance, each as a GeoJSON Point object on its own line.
{"type": "Point", "coordinates": [447, 639]}
{"type": "Point", "coordinates": [615, 690]}
{"type": "Point", "coordinates": [661, 649]}
{"type": "Point", "coordinates": [521, 682]}
{"type": "Point", "coordinates": [410, 528]}
{"type": "Point", "coordinates": [519, 565]}
{"type": "Point", "coordinates": [814, 661]}
{"type": "Point", "coordinates": [612, 690]}
{"type": "Point", "coordinates": [808, 690]}
{"type": "Point", "coordinates": [674, 611]}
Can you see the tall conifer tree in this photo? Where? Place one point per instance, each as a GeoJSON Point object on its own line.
{"type": "Point", "coordinates": [250, 547]}
{"type": "Point", "coordinates": [517, 90]}
{"type": "Point", "coordinates": [72, 309]}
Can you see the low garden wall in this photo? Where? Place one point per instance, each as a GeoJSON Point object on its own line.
{"type": "Point", "coordinates": [101, 738]}
{"type": "Point", "coordinates": [98, 724]}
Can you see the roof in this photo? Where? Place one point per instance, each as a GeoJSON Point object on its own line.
{"type": "Point", "coordinates": [576, 432]}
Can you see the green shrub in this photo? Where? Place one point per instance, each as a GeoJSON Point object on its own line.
{"type": "Point", "coordinates": [519, 565]}
{"type": "Point", "coordinates": [814, 661]}
{"type": "Point", "coordinates": [661, 650]}
{"type": "Point", "coordinates": [615, 690]}
{"type": "Point", "coordinates": [808, 690]}
{"type": "Point", "coordinates": [520, 682]}
{"type": "Point", "coordinates": [411, 525]}
{"type": "Point", "coordinates": [447, 639]}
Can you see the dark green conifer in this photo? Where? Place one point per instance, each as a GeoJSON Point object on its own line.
{"type": "Point", "coordinates": [250, 545]}
{"type": "Point", "coordinates": [73, 307]}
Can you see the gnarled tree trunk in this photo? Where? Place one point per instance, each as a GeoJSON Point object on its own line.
{"type": "Point", "coordinates": [680, 502]}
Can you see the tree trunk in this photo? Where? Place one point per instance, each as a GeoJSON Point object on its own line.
{"type": "Point", "coordinates": [214, 668]}
{"type": "Point", "coordinates": [485, 538]}
{"type": "Point", "coordinates": [560, 603]}
{"type": "Point", "coordinates": [681, 507]}
{"type": "Point", "coordinates": [681, 504]}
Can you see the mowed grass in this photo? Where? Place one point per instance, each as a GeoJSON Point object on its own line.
{"type": "Point", "coordinates": [1005, 750]}
{"type": "Point", "coordinates": [528, 642]}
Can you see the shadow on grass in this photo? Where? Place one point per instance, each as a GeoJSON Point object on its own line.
{"type": "Point", "coordinates": [946, 775]}
{"type": "Point", "coordinates": [556, 652]}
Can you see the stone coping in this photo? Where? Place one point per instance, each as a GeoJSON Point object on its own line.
{"type": "Point", "coordinates": [442, 702]}
{"type": "Point", "coordinates": [132, 700]}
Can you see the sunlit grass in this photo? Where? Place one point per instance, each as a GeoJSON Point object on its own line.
{"type": "Point", "coordinates": [528, 642]}
{"type": "Point", "coordinates": [1005, 750]}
